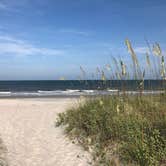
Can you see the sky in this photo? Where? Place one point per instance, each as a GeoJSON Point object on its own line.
{"type": "Point", "coordinates": [49, 39]}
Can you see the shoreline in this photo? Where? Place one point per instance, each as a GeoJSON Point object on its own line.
{"type": "Point", "coordinates": [39, 97]}
{"type": "Point", "coordinates": [77, 94]}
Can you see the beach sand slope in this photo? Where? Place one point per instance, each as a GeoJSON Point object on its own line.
{"type": "Point", "coordinates": [27, 128]}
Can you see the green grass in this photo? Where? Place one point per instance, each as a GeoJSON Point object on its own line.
{"type": "Point", "coordinates": [128, 130]}
{"type": "Point", "coordinates": [123, 129]}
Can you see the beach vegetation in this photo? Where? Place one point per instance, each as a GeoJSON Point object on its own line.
{"type": "Point", "coordinates": [123, 129]}
{"type": "Point", "coordinates": [130, 129]}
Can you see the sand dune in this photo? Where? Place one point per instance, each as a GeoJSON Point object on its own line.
{"type": "Point", "coordinates": [28, 131]}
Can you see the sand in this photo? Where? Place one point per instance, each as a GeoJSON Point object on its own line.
{"type": "Point", "coordinates": [27, 128]}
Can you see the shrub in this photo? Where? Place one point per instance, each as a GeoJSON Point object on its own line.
{"type": "Point", "coordinates": [126, 128]}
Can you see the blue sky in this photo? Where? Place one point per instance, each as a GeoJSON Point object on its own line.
{"type": "Point", "coordinates": [49, 39]}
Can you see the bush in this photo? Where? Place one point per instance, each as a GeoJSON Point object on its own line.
{"type": "Point", "coordinates": [126, 128]}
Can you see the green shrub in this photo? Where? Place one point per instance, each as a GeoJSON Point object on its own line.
{"type": "Point", "coordinates": [144, 149]}
{"type": "Point", "coordinates": [132, 128]}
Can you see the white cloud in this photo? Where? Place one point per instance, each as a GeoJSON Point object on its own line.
{"type": "Point", "coordinates": [141, 50]}
{"type": "Point", "coordinates": [75, 32]}
{"type": "Point", "coordinates": [7, 38]}
{"type": "Point", "coordinates": [13, 46]}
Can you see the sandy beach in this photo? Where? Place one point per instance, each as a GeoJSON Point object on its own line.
{"type": "Point", "coordinates": [27, 129]}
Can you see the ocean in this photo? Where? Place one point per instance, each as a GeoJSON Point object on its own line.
{"type": "Point", "coordinates": [77, 88]}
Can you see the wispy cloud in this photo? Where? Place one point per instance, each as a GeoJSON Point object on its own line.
{"type": "Point", "coordinates": [7, 38]}
{"type": "Point", "coordinates": [7, 7]}
{"type": "Point", "coordinates": [3, 6]}
{"type": "Point", "coordinates": [141, 50]}
{"type": "Point", "coordinates": [14, 5]}
{"type": "Point", "coordinates": [75, 32]}
{"type": "Point", "coordinates": [14, 46]}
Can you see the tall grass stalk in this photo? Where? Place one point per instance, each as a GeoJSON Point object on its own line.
{"type": "Point", "coordinates": [123, 129]}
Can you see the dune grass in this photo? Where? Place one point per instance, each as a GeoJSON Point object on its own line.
{"type": "Point", "coordinates": [123, 129]}
{"type": "Point", "coordinates": [120, 129]}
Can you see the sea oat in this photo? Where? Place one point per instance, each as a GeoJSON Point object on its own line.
{"type": "Point", "coordinates": [148, 60]}
{"type": "Point", "coordinates": [163, 72]}
{"type": "Point", "coordinates": [131, 51]}
{"type": "Point", "coordinates": [108, 67]}
{"type": "Point", "coordinates": [157, 49]}
{"type": "Point", "coordinates": [117, 109]}
{"type": "Point", "coordinates": [62, 78]}
{"type": "Point", "coordinates": [123, 67]}
{"type": "Point", "coordinates": [103, 77]}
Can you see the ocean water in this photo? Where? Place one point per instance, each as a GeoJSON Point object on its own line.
{"type": "Point", "coordinates": [76, 87]}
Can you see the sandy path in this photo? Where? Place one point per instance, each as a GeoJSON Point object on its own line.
{"type": "Point", "coordinates": [27, 129]}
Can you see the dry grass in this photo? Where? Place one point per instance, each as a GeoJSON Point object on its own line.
{"type": "Point", "coordinates": [130, 129]}
{"type": "Point", "coordinates": [124, 129]}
